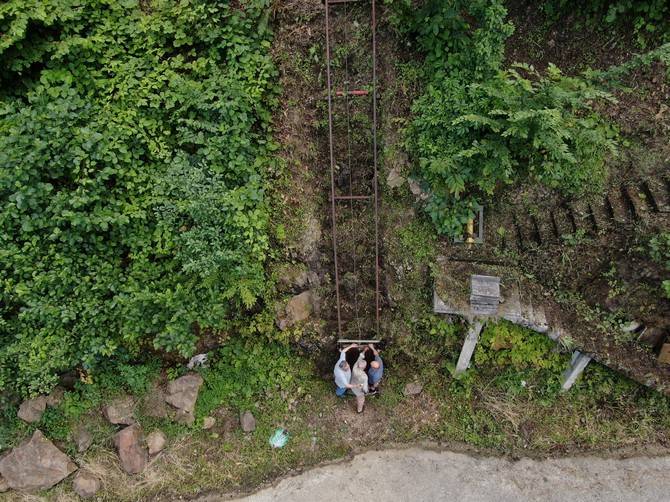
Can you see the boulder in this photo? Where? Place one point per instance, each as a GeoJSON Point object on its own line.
{"type": "Point", "coordinates": [310, 238]}
{"type": "Point", "coordinates": [184, 417]}
{"type": "Point", "coordinates": [417, 190]}
{"type": "Point", "coordinates": [85, 484]}
{"type": "Point", "coordinates": [413, 389]}
{"type": "Point", "coordinates": [133, 455]}
{"type": "Point", "coordinates": [156, 442]}
{"type": "Point", "coordinates": [298, 309]}
{"type": "Point", "coordinates": [35, 465]}
{"type": "Point", "coordinates": [182, 393]}
{"type": "Point", "coordinates": [31, 409]}
{"type": "Point", "coordinates": [4, 487]}
{"type": "Point", "coordinates": [208, 423]}
{"type": "Point", "coordinates": [154, 405]}
{"type": "Point", "coordinates": [56, 396]}
{"type": "Point", "coordinates": [83, 439]}
{"type": "Point", "coordinates": [247, 421]}
{"type": "Point", "coordinates": [292, 277]}
{"type": "Point", "coordinates": [395, 178]}
{"type": "Point", "coordinates": [120, 411]}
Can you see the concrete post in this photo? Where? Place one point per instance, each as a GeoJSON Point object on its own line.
{"type": "Point", "coordinates": [469, 346]}
{"type": "Point", "coordinates": [578, 363]}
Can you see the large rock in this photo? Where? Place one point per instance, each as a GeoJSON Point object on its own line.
{"type": "Point", "coordinates": [133, 455]}
{"type": "Point", "coordinates": [298, 309]}
{"type": "Point", "coordinates": [85, 484]}
{"type": "Point", "coordinates": [83, 439]}
{"type": "Point", "coordinates": [182, 393]}
{"type": "Point", "coordinates": [413, 389]}
{"type": "Point", "coordinates": [184, 417]}
{"type": "Point", "coordinates": [247, 421]}
{"type": "Point", "coordinates": [156, 442]}
{"type": "Point", "coordinates": [31, 410]}
{"type": "Point", "coordinates": [310, 238]}
{"type": "Point", "coordinates": [35, 465]}
{"type": "Point", "coordinates": [395, 178]}
{"type": "Point", "coordinates": [292, 277]}
{"type": "Point", "coordinates": [154, 405]}
{"type": "Point", "coordinates": [120, 411]}
{"type": "Point", "coordinates": [55, 398]}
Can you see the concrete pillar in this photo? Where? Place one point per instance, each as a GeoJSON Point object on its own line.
{"type": "Point", "coordinates": [469, 346]}
{"type": "Point", "coordinates": [578, 363]}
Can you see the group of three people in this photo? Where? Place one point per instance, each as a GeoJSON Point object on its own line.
{"type": "Point", "coordinates": [362, 379]}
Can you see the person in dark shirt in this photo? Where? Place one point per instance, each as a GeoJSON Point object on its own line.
{"type": "Point", "coordinates": [375, 371]}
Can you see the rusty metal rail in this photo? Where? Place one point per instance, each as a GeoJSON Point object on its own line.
{"type": "Point", "coordinates": [342, 6]}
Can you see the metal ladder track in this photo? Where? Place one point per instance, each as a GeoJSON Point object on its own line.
{"type": "Point", "coordinates": [358, 198]}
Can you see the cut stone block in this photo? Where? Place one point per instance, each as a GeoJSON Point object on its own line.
{"type": "Point", "coordinates": [664, 356]}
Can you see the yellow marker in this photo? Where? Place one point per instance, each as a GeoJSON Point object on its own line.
{"type": "Point", "coordinates": [470, 231]}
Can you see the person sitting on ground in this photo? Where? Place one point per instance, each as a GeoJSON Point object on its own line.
{"type": "Point", "coordinates": [376, 370]}
{"type": "Point", "coordinates": [342, 372]}
{"type": "Point", "coordinates": [359, 381]}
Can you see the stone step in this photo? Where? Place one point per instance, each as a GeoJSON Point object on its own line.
{"type": "Point", "coordinates": [616, 208]}
{"type": "Point", "coordinates": [639, 209]}
{"type": "Point", "coordinates": [546, 228]}
{"type": "Point", "coordinates": [583, 217]}
{"type": "Point", "coordinates": [562, 222]}
{"type": "Point", "coordinates": [601, 216]}
{"type": "Point", "coordinates": [658, 191]}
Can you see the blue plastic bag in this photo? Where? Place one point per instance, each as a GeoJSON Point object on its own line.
{"type": "Point", "coordinates": [279, 438]}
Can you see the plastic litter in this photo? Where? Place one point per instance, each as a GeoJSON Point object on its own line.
{"type": "Point", "coordinates": [279, 438]}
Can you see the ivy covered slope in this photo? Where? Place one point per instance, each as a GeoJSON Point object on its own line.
{"type": "Point", "coordinates": [134, 154]}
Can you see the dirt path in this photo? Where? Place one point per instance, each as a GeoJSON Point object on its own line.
{"type": "Point", "coordinates": [417, 474]}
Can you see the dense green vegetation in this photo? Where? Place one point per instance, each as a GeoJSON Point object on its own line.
{"type": "Point", "coordinates": [647, 17]}
{"type": "Point", "coordinates": [134, 153]}
{"type": "Point", "coordinates": [478, 127]}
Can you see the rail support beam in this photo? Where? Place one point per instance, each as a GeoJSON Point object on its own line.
{"type": "Point", "coordinates": [469, 346]}
{"type": "Point", "coordinates": [578, 364]}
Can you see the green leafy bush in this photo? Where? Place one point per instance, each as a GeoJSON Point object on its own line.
{"type": "Point", "coordinates": [134, 152]}
{"type": "Point", "coordinates": [507, 345]}
{"type": "Point", "coordinates": [648, 17]}
{"type": "Point", "coordinates": [477, 128]}
{"type": "Point", "coordinates": [471, 139]}
{"type": "Point", "coordinates": [247, 370]}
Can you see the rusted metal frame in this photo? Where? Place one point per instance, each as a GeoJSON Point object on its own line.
{"type": "Point", "coordinates": [351, 196]}
{"type": "Point", "coordinates": [332, 170]}
{"type": "Point", "coordinates": [374, 146]}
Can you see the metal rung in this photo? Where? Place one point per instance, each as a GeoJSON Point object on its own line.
{"type": "Point", "coordinates": [334, 2]}
{"type": "Point", "coordinates": [357, 92]}
{"type": "Point", "coordinates": [354, 197]}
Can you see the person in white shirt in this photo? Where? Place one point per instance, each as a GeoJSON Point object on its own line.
{"type": "Point", "coordinates": [342, 373]}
